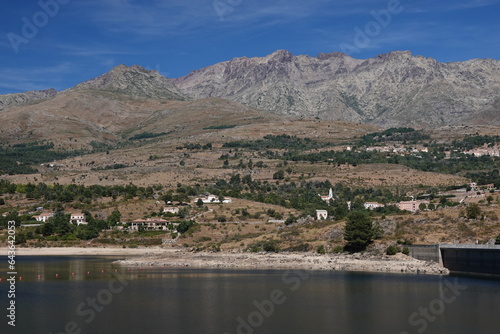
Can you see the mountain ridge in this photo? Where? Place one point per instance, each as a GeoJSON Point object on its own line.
{"type": "Point", "coordinates": [392, 89]}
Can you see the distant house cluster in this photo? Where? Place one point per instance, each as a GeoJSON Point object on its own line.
{"type": "Point", "coordinates": [154, 224]}
{"type": "Point", "coordinates": [485, 150]}
{"type": "Point", "coordinates": [77, 218]}
{"type": "Point", "coordinates": [397, 149]}
{"type": "Point", "coordinates": [373, 205]}
{"type": "Point", "coordinates": [213, 199]}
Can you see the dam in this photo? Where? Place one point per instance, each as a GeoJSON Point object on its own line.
{"type": "Point", "coordinates": [477, 260]}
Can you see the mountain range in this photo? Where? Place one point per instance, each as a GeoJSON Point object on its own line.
{"type": "Point", "coordinates": [393, 89]}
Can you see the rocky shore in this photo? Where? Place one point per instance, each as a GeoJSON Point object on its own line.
{"type": "Point", "coordinates": [307, 261]}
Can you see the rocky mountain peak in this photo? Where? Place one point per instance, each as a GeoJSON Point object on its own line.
{"type": "Point", "coordinates": [332, 55]}
{"type": "Point", "coordinates": [281, 56]}
{"type": "Point", "coordinates": [395, 55]}
{"type": "Point", "coordinates": [135, 81]}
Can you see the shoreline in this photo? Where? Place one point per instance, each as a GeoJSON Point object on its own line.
{"type": "Point", "coordinates": [161, 257]}
{"type": "Point", "coordinates": [305, 261]}
{"type": "Point", "coordinates": [83, 251]}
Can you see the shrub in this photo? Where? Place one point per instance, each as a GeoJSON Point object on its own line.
{"type": "Point", "coordinates": [391, 250]}
{"type": "Point", "coordinates": [290, 220]}
{"type": "Point", "coordinates": [338, 249]}
{"type": "Point", "coordinates": [270, 246]}
{"type": "Point", "coordinates": [321, 249]}
{"type": "Point", "coordinates": [299, 248]}
{"type": "Point", "coordinates": [406, 250]}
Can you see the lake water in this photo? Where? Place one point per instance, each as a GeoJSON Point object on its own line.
{"type": "Point", "coordinates": [105, 298]}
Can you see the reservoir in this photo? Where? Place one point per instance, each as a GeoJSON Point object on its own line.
{"type": "Point", "coordinates": [93, 295]}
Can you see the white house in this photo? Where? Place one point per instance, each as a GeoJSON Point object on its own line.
{"type": "Point", "coordinates": [213, 199]}
{"type": "Point", "coordinates": [373, 205]}
{"type": "Point", "coordinates": [328, 197]}
{"type": "Point", "coordinates": [44, 217]}
{"type": "Point", "coordinates": [171, 209]}
{"type": "Point", "coordinates": [321, 214]}
{"type": "Point", "coordinates": [78, 218]}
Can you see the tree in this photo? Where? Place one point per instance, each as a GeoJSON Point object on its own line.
{"type": "Point", "coordinates": [489, 199]}
{"type": "Point", "coordinates": [497, 241]}
{"type": "Point", "coordinates": [358, 231]}
{"type": "Point", "coordinates": [279, 175]}
{"type": "Point", "coordinates": [114, 217]}
{"type": "Point", "coordinates": [199, 202]}
{"type": "Point", "coordinates": [184, 226]}
{"type": "Point", "coordinates": [422, 206]}
{"type": "Point", "coordinates": [47, 229]}
{"type": "Point", "coordinates": [473, 211]}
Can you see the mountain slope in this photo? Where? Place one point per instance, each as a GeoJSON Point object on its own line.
{"type": "Point", "coordinates": [74, 119]}
{"type": "Point", "coordinates": [391, 90]}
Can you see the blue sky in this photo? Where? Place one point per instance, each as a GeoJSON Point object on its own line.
{"type": "Point", "coordinates": [76, 40]}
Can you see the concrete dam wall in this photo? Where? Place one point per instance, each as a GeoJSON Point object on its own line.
{"type": "Point", "coordinates": [475, 260]}
{"type": "Point", "coordinates": [482, 260]}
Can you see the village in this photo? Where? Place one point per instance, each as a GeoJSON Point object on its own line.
{"type": "Point", "coordinates": [472, 194]}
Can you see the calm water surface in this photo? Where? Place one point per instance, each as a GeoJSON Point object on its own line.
{"type": "Point", "coordinates": [105, 298]}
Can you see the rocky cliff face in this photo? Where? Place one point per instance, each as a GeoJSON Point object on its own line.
{"type": "Point", "coordinates": [392, 89]}
{"type": "Point", "coordinates": [11, 100]}
{"type": "Point", "coordinates": [133, 81]}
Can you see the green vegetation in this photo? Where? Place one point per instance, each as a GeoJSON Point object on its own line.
{"type": "Point", "coordinates": [489, 177]}
{"type": "Point", "coordinates": [473, 211]}
{"type": "Point", "coordinates": [391, 250]}
{"type": "Point", "coordinates": [276, 142]}
{"type": "Point", "coordinates": [270, 246]}
{"type": "Point", "coordinates": [471, 142]}
{"type": "Point", "coordinates": [148, 135]}
{"type": "Point", "coordinates": [73, 192]}
{"type": "Point", "coordinates": [358, 232]}
{"type": "Point", "coordinates": [18, 159]}
{"type": "Point", "coordinates": [406, 250]}
{"type": "Point", "coordinates": [110, 167]}
{"type": "Point", "coordinates": [185, 226]}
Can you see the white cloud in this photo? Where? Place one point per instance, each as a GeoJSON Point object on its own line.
{"type": "Point", "coordinates": [33, 78]}
{"type": "Point", "coordinates": [158, 18]}
{"type": "Point", "coordinates": [431, 6]}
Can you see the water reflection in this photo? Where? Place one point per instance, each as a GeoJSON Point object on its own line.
{"type": "Point", "coordinates": [180, 300]}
